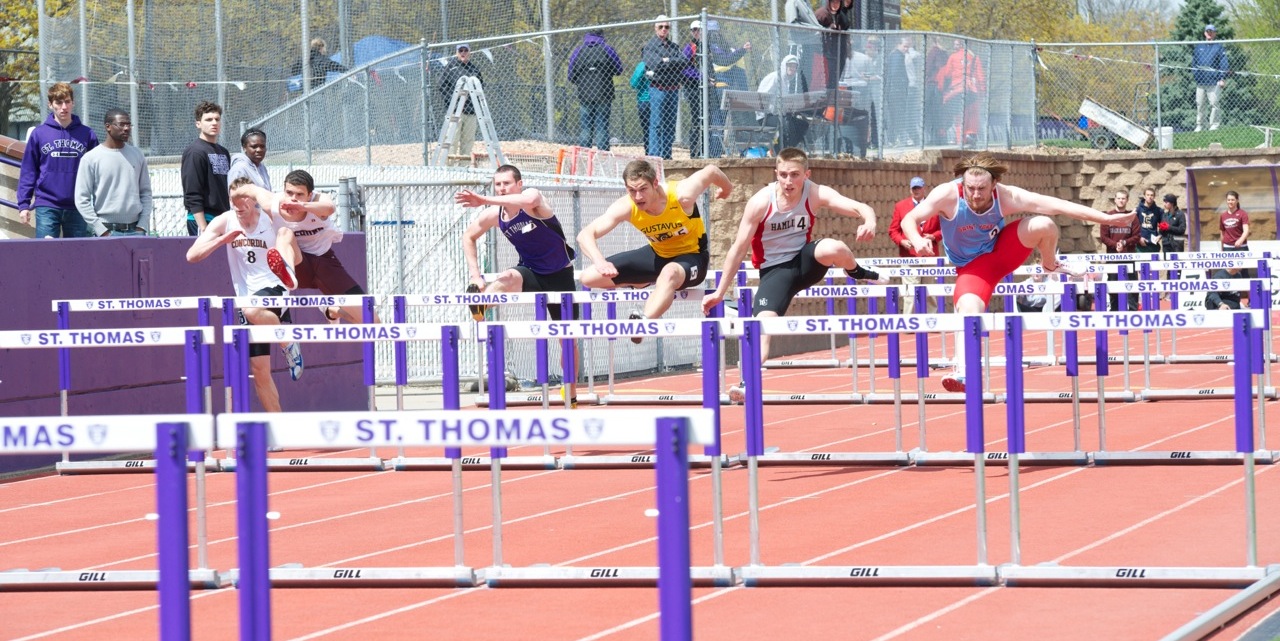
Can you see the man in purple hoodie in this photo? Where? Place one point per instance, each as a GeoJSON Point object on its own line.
{"type": "Point", "coordinates": [592, 66]}
{"type": "Point", "coordinates": [47, 181]}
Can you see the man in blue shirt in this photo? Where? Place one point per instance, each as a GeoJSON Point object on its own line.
{"type": "Point", "coordinates": [1209, 69]}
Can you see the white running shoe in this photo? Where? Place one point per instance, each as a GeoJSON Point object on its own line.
{"type": "Point", "coordinates": [293, 354]}
{"type": "Point", "coordinates": [1075, 269]}
{"type": "Point", "coordinates": [738, 394]}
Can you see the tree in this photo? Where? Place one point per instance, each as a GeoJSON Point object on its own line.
{"type": "Point", "coordinates": [18, 36]}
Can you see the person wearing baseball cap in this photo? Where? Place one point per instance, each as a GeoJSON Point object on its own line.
{"type": "Point", "coordinates": [1209, 68]}
{"type": "Point", "coordinates": [459, 66]}
{"type": "Point", "coordinates": [931, 229]}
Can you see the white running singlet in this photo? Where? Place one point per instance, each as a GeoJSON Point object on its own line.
{"type": "Point", "coordinates": [782, 233]}
{"type": "Point", "coordinates": [315, 234]}
{"type": "Point", "coordinates": [247, 255]}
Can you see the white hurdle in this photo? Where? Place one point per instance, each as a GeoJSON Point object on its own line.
{"type": "Point", "coordinates": [64, 308]}
{"type": "Point", "coordinates": [676, 429]}
{"type": "Point", "coordinates": [171, 438]}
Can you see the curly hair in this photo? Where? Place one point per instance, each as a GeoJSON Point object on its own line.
{"type": "Point", "coordinates": [980, 163]}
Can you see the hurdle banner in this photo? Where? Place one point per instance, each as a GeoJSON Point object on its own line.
{"type": "Point", "coordinates": [191, 338]}
{"type": "Point", "coordinates": [240, 336]}
{"type": "Point", "coordinates": [675, 431]}
{"type": "Point", "coordinates": [170, 439]}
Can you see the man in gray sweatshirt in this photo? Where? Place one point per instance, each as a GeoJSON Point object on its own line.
{"type": "Point", "coordinates": [113, 188]}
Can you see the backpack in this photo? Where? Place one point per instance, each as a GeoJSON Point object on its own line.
{"type": "Point", "coordinates": [593, 74]}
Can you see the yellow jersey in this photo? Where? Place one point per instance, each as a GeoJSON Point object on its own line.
{"type": "Point", "coordinates": [671, 233]}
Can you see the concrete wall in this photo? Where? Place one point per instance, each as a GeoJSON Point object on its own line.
{"type": "Point", "coordinates": [142, 380]}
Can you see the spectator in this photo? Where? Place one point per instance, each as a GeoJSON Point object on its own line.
{"type": "Point", "coordinates": [835, 42]}
{"type": "Point", "coordinates": [901, 93]}
{"type": "Point", "coordinates": [692, 81]}
{"type": "Point", "coordinates": [1209, 70]}
{"type": "Point", "coordinates": [204, 169]}
{"type": "Point", "coordinates": [1034, 302]}
{"type": "Point", "coordinates": [930, 229]}
{"type": "Point", "coordinates": [592, 66]}
{"type": "Point", "coordinates": [1234, 225]}
{"type": "Point", "coordinates": [1173, 226]}
{"type": "Point", "coordinates": [934, 122]}
{"type": "Point", "coordinates": [730, 63]}
{"type": "Point", "coordinates": [1118, 239]}
{"type": "Point", "coordinates": [113, 187]}
{"type": "Point", "coordinates": [1148, 215]}
{"type": "Point", "coordinates": [459, 67]}
{"type": "Point", "coordinates": [249, 163]}
{"type": "Point", "coordinates": [47, 179]}
{"type": "Point", "coordinates": [1224, 300]}
{"type": "Point", "coordinates": [640, 82]}
{"type": "Point", "coordinates": [793, 126]}
{"type": "Point", "coordinates": [863, 75]}
{"type": "Point", "coordinates": [664, 66]}
{"type": "Point", "coordinates": [963, 85]}
{"type": "Point", "coordinates": [723, 56]}
{"type": "Point", "coordinates": [318, 64]}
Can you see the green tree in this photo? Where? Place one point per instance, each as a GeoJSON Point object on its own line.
{"type": "Point", "coordinates": [18, 35]}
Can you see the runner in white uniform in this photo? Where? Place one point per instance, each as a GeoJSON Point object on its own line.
{"type": "Point", "coordinates": [261, 257]}
{"type": "Point", "coordinates": [777, 226]}
{"type": "Point", "coordinates": [309, 214]}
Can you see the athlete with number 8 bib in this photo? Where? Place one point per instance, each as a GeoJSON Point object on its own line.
{"type": "Point", "coordinates": [261, 255]}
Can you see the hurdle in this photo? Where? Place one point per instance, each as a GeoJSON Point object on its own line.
{"type": "Point", "coordinates": [539, 302]}
{"type": "Point", "coordinates": [757, 574]}
{"type": "Point", "coordinates": [236, 361]}
{"type": "Point", "coordinates": [173, 436]}
{"type": "Point", "coordinates": [674, 431]}
{"type": "Point", "coordinates": [240, 337]}
{"type": "Point", "coordinates": [64, 309]}
{"type": "Point", "coordinates": [1015, 574]}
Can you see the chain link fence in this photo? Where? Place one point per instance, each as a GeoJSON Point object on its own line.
{"type": "Point", "coordinates": [1159, 84]}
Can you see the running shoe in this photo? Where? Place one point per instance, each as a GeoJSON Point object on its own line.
{"type": "Point", "coordinates": [862, 273]}
{"type": "Point", "coordinates": [477, 311]}
{"type": "Point", "coordinates": [636, 316]}
{"type": "Point", "coordinates": [282, 269]}
{"type": "Point", "coordinates": [738, 394]}
{"type": "Point", "coordinates": [293, 354]}
{"type": "Point", "coordinates": [1072, 269]}
{"type": "Point", "coordinates": [953, 382]}
{"type": "Point", "coordinates": [573, 405]}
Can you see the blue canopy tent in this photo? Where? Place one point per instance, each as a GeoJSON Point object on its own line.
{"type": "Point", "coordinates": [367, 50]}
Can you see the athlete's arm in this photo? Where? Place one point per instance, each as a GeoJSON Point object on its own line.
{"type": "Point", "coordinates": [942, 198]}
{"type": "Point", "coordinates": [688, 190]}
{"type": "Point", "coordinates": [530, 200]}
{"type": "Point", "coordinates": [268, 202]}
{"type": "Point", "coordinates": [619, 211]}
{"type": "Point", "coordinates": [751, 217]}
{"type": "Point", "coordinates": [215, 235]}
{"type": "Point", "coordinates": [1016, 199]}
{"type": "Point", "coordinates": [488, 219]}
{"type": "Point", "coordinates": [845, 206]}
{"type": "Point", "coordinates": [322, 206]}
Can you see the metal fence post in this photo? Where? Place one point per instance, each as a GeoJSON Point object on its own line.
{"type": "Point", "coordinates": [368, 120]}
{"type": "Point", "coordinates": [1156, 71]}
{"type": "Point", "coordinates": [426, 138]}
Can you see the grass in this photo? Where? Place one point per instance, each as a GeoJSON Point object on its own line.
{"type": "Point", "coordinates": [1241, 137]}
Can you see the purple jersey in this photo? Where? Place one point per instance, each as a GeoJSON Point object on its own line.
{"type": "Point", "coordinates": [540, 243]}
